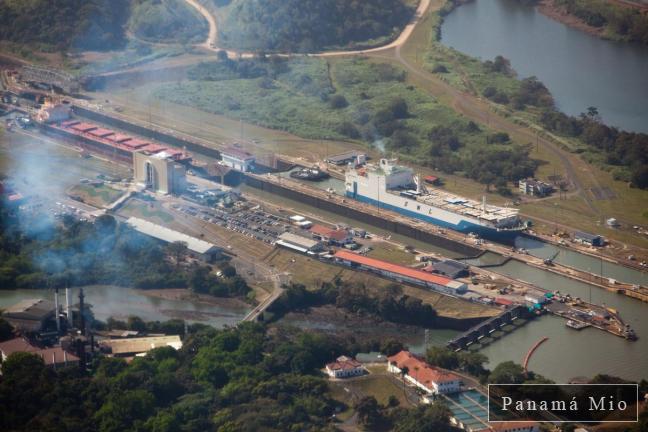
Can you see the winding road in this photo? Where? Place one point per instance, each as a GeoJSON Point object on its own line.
{"type": "Point", "coordinates": [211, 43]}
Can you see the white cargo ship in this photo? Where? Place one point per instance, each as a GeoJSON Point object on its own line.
{"type": "Point", "coordinates": [395, 187]}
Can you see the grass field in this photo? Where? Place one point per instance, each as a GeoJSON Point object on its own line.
{"type": "Point", "coordinates": [97, 196]}
{"type": "Point", "coordinates": [379, 386]}
{"type": "Point", "coordinates": [152, 211]}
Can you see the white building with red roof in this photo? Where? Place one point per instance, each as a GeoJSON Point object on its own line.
{"type": "Point", "coordinates": [428, 378]}
{"type": "Point", "coordinates": [332, 236]}
{"type": "Point", "coordinates": [238, 159]}
{"type": "Point", "coordinates": [345, 367]}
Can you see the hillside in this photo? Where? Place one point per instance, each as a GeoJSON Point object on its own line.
{"type": "Point", "coordinates": [166, 21]}
{"type": "Point", "coordinates": [310, 25]}
{"type": "Point", "coordinates": [55, 25]}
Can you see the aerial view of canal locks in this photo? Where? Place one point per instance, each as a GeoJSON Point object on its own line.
{"type": "Point", "coordinates": [324, 215]}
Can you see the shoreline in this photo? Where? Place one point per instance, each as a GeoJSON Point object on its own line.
{"type": "Point", "coordinates": [549, 9]}
{"type": "Point", "coordinates": [183, 294]}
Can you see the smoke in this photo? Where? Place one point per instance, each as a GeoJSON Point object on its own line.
{"type": "Point", "coordinates": [379, 144]}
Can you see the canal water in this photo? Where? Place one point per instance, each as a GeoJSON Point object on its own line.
{"type": "Point", "coordinates": [120, 303]}
{"type": "Point", "coordinates": [568, 353]}
{"type": "Point", "coordinates": [580, 261]}
{"type": "Point", "coordinates": [579, 69]}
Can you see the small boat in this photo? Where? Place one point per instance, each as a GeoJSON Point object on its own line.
{"type": "Point", "coordinates": [576, 325]}
{"type": "Point", "coordinates": [312, 174]}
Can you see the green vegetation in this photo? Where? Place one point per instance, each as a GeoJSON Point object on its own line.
{"type": "Point", "coordinates": [625, 154]}
{"type": "Point", "coordinates": [353, 99]}
{"type": "Point", "coordinates": [97, 196]}
{"type": "Point", "coordinates": [390, 305]}
{"type": "Point", "coordinates": [618, 21]}
{"type": "Point", "coordinates": [58, 25]}
{"type": "Point", "coordinates": [310, 25]}
{"type": "Point", "coordinates": [104, 252]}
{"type": "Point", "coordinates": [166, 21]}
{"type": "Point", "coordinates": [237, 379]}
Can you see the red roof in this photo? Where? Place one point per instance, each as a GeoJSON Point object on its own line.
{"type": "Point", "coordinates": [237, 153]}
{"type": "Point", "coordinates": [136, 143]}
{"type": "Point", "coordinates": [153, 148]}
{"type": "Point", "coordinates": [421, 371]}
{"type": "Point", "coordinates": [118, 137]}
{"type": "Point", "coordinates": [320, 229]}
{"type": "Point", "coordinates": [69, 123]}
{"type": "Point", "coordinates": [100, 132]}
{"type": "Point", "coordinates": [84, 127]}
{"type": "Point", "coordinates": [431, 178]}
{"type": "Point", "coordinates": [393, 268]}
{"type": "Point", "coordinates": [56, 355]}
{"type": "Point", "coordinates": [16, 345]}
{"type": "Point", "coordinates": [502, 301]}
{"type": "Point", "coordinates": [344, 363]}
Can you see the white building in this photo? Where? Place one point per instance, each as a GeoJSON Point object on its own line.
{"type": "Point", "coordinates": [299, 243]}
{"type": "Point", "coordinates": [197, 248]}
{"type": "Point", "coordinates": [159, 172]}
{"type": "Point", "coordinates": [345, 367]}
{"type": "Point", "coordinates": [428, 378]}
{"type": "Point", "coordinates": [238, 159]}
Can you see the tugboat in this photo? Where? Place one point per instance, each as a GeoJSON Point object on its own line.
{"type": "Point", "coordinates": [313, 174]}
{"type": "Point", "coordinates": [576, 325]}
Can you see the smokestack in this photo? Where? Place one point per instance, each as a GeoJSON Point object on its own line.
{"type": "Point", "coordinates": [68, 312]}
{"type": "Point", "coordinates": [81, 315]}
{"type": "Point", "coordinates": [56, 311]}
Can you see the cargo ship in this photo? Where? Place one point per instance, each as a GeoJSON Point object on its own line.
{"type": "Point", "coordinates": [396, 188]}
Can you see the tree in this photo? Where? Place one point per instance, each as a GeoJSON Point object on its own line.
{"type": "Point", "coordinates": [178, 250]}
{"type": "Point", "coordinates": [640, 176]}
{"type": "Point", "coordinates": [6, 330]}
{"type": "Point", "coordinates": [398, 108]}
{"type": "Point", "coordinates": [338, 101]}
{"type": "Point", "coordinates": [507, 373]}
{"type": "Point", "coordinates": [442, 357]}
{"type": "Point", "coordinates": [425, 418]}
{"type": "Point", "coordinates": [368, 411]}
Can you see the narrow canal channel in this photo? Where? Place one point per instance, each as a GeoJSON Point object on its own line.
{"type": "Point", "coordinates": [568, 353]}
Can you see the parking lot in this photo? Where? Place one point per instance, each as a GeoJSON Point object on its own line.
{"type": "Point", "coordinates": [255, 222]}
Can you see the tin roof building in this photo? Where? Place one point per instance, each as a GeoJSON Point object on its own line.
{"type": "Point", "coordinates": [200, 248]}
{"type": "Point", "coordinates": [299, 243]}
{"type": "Point", "coordinates": [29, 315]}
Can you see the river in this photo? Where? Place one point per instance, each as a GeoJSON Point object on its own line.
{"type": "Point", "coordinates": [120, 303]}
{"type": "Point", "coordinates": [579, 69]}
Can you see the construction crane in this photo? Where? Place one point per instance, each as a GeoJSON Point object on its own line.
{"type": "Point", "coordinates": [550, 261]}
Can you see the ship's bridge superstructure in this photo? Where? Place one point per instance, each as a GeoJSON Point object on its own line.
{"type": "Point", "coordinates": [395, 187]}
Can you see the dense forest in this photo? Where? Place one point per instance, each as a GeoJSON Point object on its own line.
{"type": "Point", "coordinates": [59, 25]}
{"type": "Point", "coordinates": [166, 20]}
{"type": "Point", "coordinates": [620, 22]}
{"type": "Point", "coordinates": [239, 379]}
{"type": "Point", "coordinates": [390, 305]}
{"type": "Point", "coordinates": [310, 25]}
{"type": "Point", "coordinates": [79, 253]}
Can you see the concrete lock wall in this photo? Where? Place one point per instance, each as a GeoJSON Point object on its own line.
{"type": "Point", "coordinates": [145, 132]}
{"type": "Point", "coordinates": [461, 249]}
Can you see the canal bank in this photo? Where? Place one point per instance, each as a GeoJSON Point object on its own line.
{"type": "Point", "coordinates": [120, 303]}
{"type": "Point", "coordinates": [579, 69]}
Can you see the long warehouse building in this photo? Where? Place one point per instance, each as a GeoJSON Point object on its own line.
{"type": "Point", "coordinates": [401, 273]}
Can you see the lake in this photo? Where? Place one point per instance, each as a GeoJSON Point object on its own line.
{"type": "Point", "coordinates": [579, 69]}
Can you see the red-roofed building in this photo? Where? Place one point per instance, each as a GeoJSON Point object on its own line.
{"type": "Point", "coordinates": [517, 426]}
{"type": "Point", "coordinates": [344, 367]}
{"type": "Point", "coordinates": [401, 273]}
{"type": "Point", "coordinates": [434, 180]}
{"type": "Point", "coordinates": [332, 236]}
{"type": "Point", "coordinates": [53, 357]}
{"type": "Point", "coordinates": [429, 378]}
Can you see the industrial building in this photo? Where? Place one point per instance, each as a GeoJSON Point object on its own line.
{"type": "Point", "coordinates": [331, 236]}
{"type": "Point", "coordinates": [400, 273]}
{"type": "Point", "coordinates": [534, 187]}
{"type": "Point", "coordinates": [52, 357]}
{"type": "Point", "coordinates": [299, 243]}
{"type": "Point", "coordinates": [590, 239]}
{"type": "Point", "coordinates": [430, 379]}
{"type": "Point", "coordinates": [238, 159]}
{"type": "Point", "coordinates": [159, 172]}
{"type": "Point", "coordinates": [137, 347]}
{"type": "Point", "coordinates": [354, 157]}
{"type": "Point", "coordinates": [53, 113]}
{"type": "Point", "coordinates": [451, 268]}
{"type": "Point", "coordinates": [197, 248]}
{"type": "Point", "coordinates": [30, 315]}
